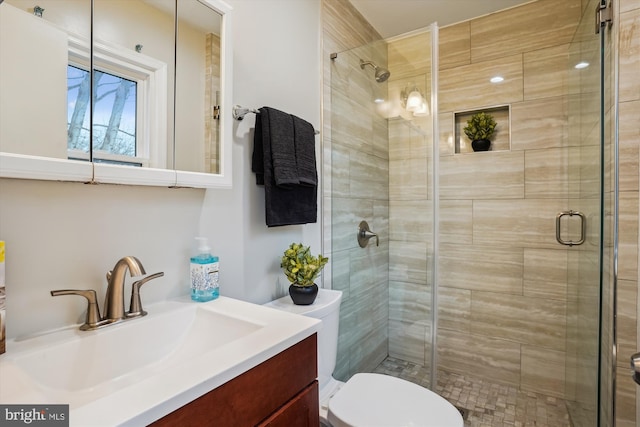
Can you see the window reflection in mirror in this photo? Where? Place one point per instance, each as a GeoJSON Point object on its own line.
{"type": "Point", "coordinates": [114, 117]}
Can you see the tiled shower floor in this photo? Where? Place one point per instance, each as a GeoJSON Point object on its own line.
{"type": "Point", "coordinates": [485, 404]}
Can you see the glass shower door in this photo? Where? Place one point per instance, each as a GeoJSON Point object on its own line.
{"type": "Point", "coordinates": [591, 186]}
{"type": "Point", "coordinates": [382, 173]}
{"type": "Point", "coordinates": [359, 182]}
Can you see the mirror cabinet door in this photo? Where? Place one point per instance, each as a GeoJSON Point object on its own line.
{"type": "Point", "coordinates": [133, 61]}
{"type": "Point", "coordinates": [197, 88]}
{"type": "Point", "coordinates": [133, 51]}
{"type": "Point", "coordinates": [44, 108]}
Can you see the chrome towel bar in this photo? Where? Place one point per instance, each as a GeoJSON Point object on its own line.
{"type": "Point", "coordinates": [239, 112]}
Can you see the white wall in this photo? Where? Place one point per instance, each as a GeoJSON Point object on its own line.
{"type": "Point", "coordinates": [276, 64]}
{"type": "Point", "coordinates": [67, 235]}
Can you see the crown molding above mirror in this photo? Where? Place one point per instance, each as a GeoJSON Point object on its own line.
{"type": "Point", "coordinates": [24, 164]}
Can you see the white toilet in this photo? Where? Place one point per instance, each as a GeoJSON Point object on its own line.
{"type": "Point", "coordinates": [366, 400]}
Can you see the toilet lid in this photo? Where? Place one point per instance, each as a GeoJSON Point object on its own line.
{"type": "Point", "coordinates": [376, 400]}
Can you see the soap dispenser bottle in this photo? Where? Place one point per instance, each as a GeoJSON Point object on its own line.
{"type": "Point", "coordinates": [204, 273]}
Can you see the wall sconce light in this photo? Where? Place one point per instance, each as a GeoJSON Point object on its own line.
{"type": "Point", "coordinates": [412, 100]}
{"type": "Point", "coordinates": [423, 110]}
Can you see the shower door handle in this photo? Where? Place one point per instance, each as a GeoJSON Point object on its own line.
{"type": "Point", "coordinates": [635, 367]}
{"type": "Point", "coordinates": [583, 228]}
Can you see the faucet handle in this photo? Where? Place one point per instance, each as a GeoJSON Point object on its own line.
{"type": "Point", "coordinates": [93, 318]}
{"type": "Point", "coordinates": [135, 307]}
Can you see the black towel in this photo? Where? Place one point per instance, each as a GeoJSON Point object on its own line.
{"type": "Point", "coordinates": [283, 148]}
{"type": "Point", "coordinates": [305, 142]}
{"type": "Point", "coordinates": [284, 204]}
{"type": "Point", "coordinates": [257, 158]}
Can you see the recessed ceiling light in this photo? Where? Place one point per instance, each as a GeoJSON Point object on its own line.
{"type": "Point", "coordinates": [496, 79]}
{"type": "Point", "coordinates": [582, 64]}
{"type": "Point", "coordinates": [378, 100]}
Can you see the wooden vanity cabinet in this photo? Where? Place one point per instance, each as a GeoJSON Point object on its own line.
{"type": "Point", "coordinates": [279, 392]}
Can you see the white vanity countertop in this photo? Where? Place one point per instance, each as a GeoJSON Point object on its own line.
{"type": "Point", "coordinates": [178, 376]}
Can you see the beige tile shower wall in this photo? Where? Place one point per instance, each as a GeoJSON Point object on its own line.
{"type": "Point", "coordinates": [534, 26]}
{"type": "Point", "coordinates": [502, 275]}
{"type": "Point", "coordinates": [355, 187]}
{"type": "Point", "coordinates": [410, 237]}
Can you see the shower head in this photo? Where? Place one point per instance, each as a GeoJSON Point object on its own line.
{"type": "Point", "coordinates": [382, 74]}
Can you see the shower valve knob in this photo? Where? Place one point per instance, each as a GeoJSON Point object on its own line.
{"type": "Point", "coordinates": [364, 234]}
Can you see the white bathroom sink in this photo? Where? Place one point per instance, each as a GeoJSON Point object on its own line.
{"type": "Point", "coordinates": [140, 370]}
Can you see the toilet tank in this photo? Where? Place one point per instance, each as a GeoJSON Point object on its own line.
{"type": "Point", "coordinates": [326, 307]}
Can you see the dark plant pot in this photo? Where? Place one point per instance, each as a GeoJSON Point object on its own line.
{"type": "Point", "coordinates": [303, 295]}
{"type": "Point", "coordinates": [480, 144]}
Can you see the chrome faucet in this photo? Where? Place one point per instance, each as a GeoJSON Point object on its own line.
{"type": "Point", "coordinates": [114, 310]}
{"type": "Point", "coordinates": [114, 298]}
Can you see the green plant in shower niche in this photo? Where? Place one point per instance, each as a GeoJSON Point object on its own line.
{"type": "Point", "coordinates": [480, 126]}
{"type": "Point", "coordinates": [300, 267]}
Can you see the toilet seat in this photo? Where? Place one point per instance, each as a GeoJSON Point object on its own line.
{"type": "Point", "coordinates": [376, 400]}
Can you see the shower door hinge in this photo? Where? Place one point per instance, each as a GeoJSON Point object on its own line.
{"type": "Point", "coordinates": [216, 112]}
{"type": "Point", "coordinates": [604, 15]}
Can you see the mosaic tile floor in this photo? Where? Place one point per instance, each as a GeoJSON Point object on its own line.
{"type": "Point", "coordinates": [485, 404]}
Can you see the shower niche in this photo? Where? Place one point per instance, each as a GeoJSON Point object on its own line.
{"type": "Point", "coordinates": [501, 140]}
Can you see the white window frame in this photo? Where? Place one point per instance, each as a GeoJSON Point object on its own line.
{"type": "Point", "coordinates": [151, 92]}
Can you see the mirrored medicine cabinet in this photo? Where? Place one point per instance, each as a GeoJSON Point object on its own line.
{"type": "Point", "coordinates": [116, 91]}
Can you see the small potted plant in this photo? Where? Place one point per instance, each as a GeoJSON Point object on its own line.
{"type": "Point", "coordinates": [480, 128]}
{"type": "Point", "coordinates": [302, 268]}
